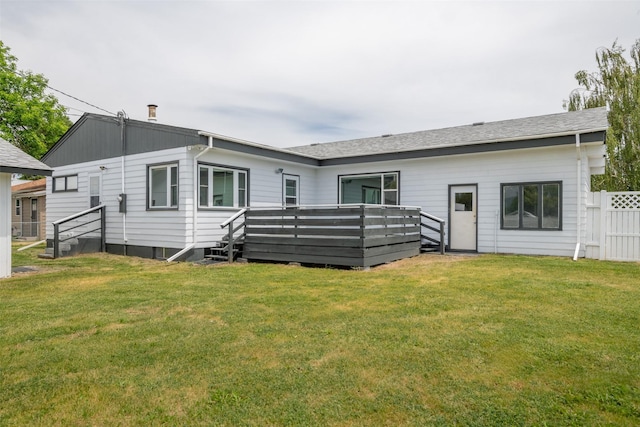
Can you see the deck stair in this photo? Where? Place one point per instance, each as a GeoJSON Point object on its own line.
{"type": "Point", "coordinates": [432, 233]}
{"type": "Point", "coordinates": [79, 233]}
{"type": "Point", "coordinates": [231, 246]}
{"type": "Point", "coordinates": [220, 251]}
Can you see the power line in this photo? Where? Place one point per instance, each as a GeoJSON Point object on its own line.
{"type": "Point", "coordinates": [22, 74]}
{"type": "Point", "coordinates": [80, 100]}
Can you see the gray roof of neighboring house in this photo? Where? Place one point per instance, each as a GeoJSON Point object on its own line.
{"type": "Point", "coordinates": [14, 160]}
{"type": "Point", "coordinates": [539, 127]}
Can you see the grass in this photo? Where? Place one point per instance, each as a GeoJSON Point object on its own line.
{"type": "Point", "coordinates": [433, 340]}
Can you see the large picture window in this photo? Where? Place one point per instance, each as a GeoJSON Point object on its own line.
{"type": "Point", "coordinates": [532, 206]}
{"type": "Point", "coordinates": [222, 187]}
{"type": "Point", "coordinates": [374, 189]}
{"type": "Point", "coordinates": [163, 186]}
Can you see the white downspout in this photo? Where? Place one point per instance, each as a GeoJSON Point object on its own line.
{"type": "Point", "coordinates": [194, 239]}
{"type": "Point", "coordinates": [578, 198]}
{"type": "Point", "coordinates": [122, 179]}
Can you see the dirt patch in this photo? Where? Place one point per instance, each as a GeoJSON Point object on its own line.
{"type": "Point", "coordinates": [425, 260]}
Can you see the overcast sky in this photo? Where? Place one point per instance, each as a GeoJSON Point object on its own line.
{"type": "Point", "coordinates": [288, 73]}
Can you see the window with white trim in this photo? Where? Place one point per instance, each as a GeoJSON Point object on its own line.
{"type": "Point", "coordinates": [65, 183]}
{"type": "Point", "coordinates": [374, 189]}
{"type": "Point", "coordinates": [163, 186]}
{"type": "Point", "coordinates": [18, 208]}
{"type": "Point", "coordinates": [222, 187]}
{"type": "Point", "coordinates": [94, 190]}
{"type": "Point", "coordinates": [532, 206]}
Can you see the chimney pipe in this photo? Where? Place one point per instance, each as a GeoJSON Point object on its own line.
{"type": "Point", "coordinates": [152, 112]}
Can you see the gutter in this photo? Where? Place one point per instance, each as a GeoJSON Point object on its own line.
{"type": "Point", "coordinates": [578, 197]}
{"type": "Point", "coordinates": [194, 238]}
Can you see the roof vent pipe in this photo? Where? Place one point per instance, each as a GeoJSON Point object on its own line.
{"type": "Point", "coordinates": [152, 112]}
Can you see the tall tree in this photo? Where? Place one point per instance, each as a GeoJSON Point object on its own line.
{"type": "Point", "coordinates": [616, 85]}
{"type": "Point", "coordinates": [30, 118]}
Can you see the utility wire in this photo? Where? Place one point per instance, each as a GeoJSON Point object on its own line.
{"type": "Point", "coordinates": [80, 100]}
{"type": "Point", "coordinates": [22, 74]}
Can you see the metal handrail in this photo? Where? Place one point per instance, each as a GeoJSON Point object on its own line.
{"type": "Point", "coordinates": [78, 215]}
{"type": "Point", "coordinates": [102, 228]}
{"type": "Point", "coordinates": [231, 232]}
{"type": "Point", "coordinates": [439, 230]}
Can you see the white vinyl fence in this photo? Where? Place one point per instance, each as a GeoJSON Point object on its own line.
{"type": "Point", "coordinates": [613, 226]}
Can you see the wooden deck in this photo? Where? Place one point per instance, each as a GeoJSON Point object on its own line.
{"type": "Point", "coordinates": [357, 236]}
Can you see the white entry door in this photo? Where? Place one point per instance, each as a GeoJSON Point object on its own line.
{"type": "Point", "coordinates": [290, 190]}
{"type": "Point", "coordinates": [463, 208]}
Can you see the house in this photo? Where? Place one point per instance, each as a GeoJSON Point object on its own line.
{"type": "Point", "coordinates": [12, 160]}
{"type": "Point", "coordinates": [513, 186]}
{"type": "Point", "coordinates": [28, 211]}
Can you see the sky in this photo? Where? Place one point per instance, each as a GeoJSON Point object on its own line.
{"type": "Point", "coordinates": [288, 73]}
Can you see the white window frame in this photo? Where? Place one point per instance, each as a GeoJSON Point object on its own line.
{"type": "Point", "coordinates": [99, 193]}
{"type": "Point", "coordinates": [240, 192]}
{"type": "Point", "coordinates": [169, 168]}
{"type": "Point", "coordinates": [383, 191]}
{"type": "Point", "coordinates": [287, 199]}
{"type": "Point", "coordinates": [18, 206]}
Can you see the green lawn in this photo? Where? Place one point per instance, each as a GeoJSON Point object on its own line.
{"type": "Point", "coordinates": [433, 340]}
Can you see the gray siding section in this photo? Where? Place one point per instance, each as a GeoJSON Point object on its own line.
{"type": "Point", "coordinates": [91, 138]}
{"type": "Point", "coordinates": [95, 137]}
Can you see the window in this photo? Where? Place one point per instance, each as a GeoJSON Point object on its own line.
{"type": "Point", "coordinates": [290, 189]}
{"type": "Point", "coordinates": [374, 189]}
{"type": "Point", "coordinates": [18, 208]}
{"type": "Point", "coordinates": [163, 186]}
{"type": "Point", "coordinates": [222, 187]}
{"type": "Point", "coordinates": [94, 191]}
{"type": "Point", "coordinates": [65, 183]}
{"type": "Point", "coordinates": [532, 206]}
{"type": "Point", "coordinates": [464, 202]}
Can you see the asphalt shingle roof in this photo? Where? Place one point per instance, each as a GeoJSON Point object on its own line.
{"type": "Point", "coordinates": [594, 119]}
{"type": "Point", "coordinates": [14, 160]}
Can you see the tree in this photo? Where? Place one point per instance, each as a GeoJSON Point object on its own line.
{"type": "Point", "coordinates": [615, 85]}
{"type": "Point", "coordinates": [29, 117]}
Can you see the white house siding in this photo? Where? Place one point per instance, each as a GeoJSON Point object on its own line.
{"type": "Point", "coordinates": [161, 228]}
{"type": "Point", "coordinates": [265, 188]}
{"type": "Point", "coordinates": [5, 225]}
{"type": "Point", "coordinates": [425, 183]}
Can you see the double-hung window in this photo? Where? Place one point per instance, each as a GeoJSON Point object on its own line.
{"type": "Point", "coordinates": [221, 186]}
{"type": "Point", "coordinates": [374, 189]}
{"type": "Point", "coordinates": [18, 207]}
{"type": "Point", "coordinates": [532, 206]}
{"type": "Point", "coordinates": [163, 186]}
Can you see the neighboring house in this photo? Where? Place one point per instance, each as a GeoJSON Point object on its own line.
{"type": "Point", "coordinates": [12, 160]}
{"type": "Point", "coordinates": [514, 186]}
{"type": "Point", "coordinates": [28, 211]}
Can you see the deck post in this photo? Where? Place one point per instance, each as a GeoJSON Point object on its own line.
{"type": "Point", "coordinates": [56, 240]}
{"type": "Point", "coordinates": [103, 229]}
{"type": "Point", "coordinates": [230, 243]}
{"type": "Point", "coordinates": [442, 238]}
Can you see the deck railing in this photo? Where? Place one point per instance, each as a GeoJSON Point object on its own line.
{"type": "Point", "coordinates": [82, 222]}
{"type": "Point", "coordinates": [344, 235]}
{"type": "Point", "coordinates": [437, 240]}
{"type": "Point", "coordinates": [234, 224]}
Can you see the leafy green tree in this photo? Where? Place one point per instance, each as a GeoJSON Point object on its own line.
{"type": "Point", "coordinates": [30, 118]}
{"type": "Point", "coordinates": [616, 85]}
